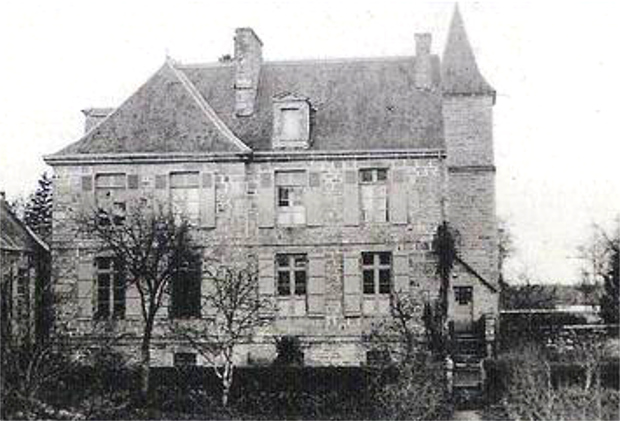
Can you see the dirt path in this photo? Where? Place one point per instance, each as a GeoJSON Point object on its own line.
{"type": "Point", "coordinates": [467, 416]}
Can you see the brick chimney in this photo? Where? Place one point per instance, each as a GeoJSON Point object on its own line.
{"type": "Point", "coordinates": [248, 59]}
{"type": "Point", "coordinates": [423, 69]}
{"type": "Point", "coordinates": [94, 116]}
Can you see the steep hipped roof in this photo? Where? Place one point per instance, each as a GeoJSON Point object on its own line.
{"type": "Point", "coordinates": [460, 74]}
{"type": "Point", "coordinates": [358, 104]}
{"type": "Point", "coordinates": [14, 235]}
{"type": "Point", "coordinates": [165, 115]}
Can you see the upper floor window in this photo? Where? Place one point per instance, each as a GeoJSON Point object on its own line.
{"type": "Point", "coordinates": [377, 272]}
{"type": "Point", "coordinates": [110, 190]}
{"type": "Point", "coordinates": [290, 197]}
{"type": "Point", "coordinates": [374, 194]}
{"type": "Point", "coordinates": [185, 292]}
{"type": "Point", "coordinates": [291, 121]}
{"type": "Point", "coordinates": [184, 194]}
{"type": "Point", "coordinates": [111, 288]}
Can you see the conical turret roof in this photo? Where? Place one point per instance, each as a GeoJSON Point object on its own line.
{"type": "Point", "coordinates": [460, 74]}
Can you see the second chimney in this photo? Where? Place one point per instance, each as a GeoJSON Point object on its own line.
{"type": "Point", "coordinates": [423, 68]}
{"type": "Point", "coordinates": [248, 60]}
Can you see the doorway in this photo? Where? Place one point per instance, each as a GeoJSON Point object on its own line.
{"type": "Point", "coordinates": [463, 308]}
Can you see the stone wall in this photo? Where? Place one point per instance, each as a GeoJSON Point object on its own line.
{"type": "Point", "coordinates": [237, 223]}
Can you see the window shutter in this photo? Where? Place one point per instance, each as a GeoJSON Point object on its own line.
{"type": "Point", "coordinates": [398, 197]}
{"type": "Point", "coordinates": [86, 283]}
{"type": "Point", "coordinates": [161, 192]}
{"type": "Point", "coordinates": [133, 306]}
{"type": "Point", "coordinates": [401, 272]}
{"type": "Point", "coordinates": [208, 309]}
{"type": "Point", "coordinates": [313, 200]}
{"type": "Point", "coordinates": [266, 201]}
{"type": "Point", "coordinates": [351, 211]}
{"type": "Point", "coordinates": [133, 181]}
{"type": "Point", "coordinates": [266, 281]}
{"type": "Point", "coordinates": [207, 200]}
{"type": "Point", "coordinates": [316, 285]}
{"type": "Point", "coordinates": [88, 194]}
{"type": "Point", "coordinates": [352, 285]}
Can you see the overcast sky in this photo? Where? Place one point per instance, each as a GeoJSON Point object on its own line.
{"type": "Point", "coordinates": [554, 65]}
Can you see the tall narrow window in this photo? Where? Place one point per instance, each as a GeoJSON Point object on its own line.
{"type": "Point", "coordinates": [292, 282]}
{"type": "Point", "coordinates": [186, 293]}
{"type": "Point", "coordinates": [110, 192]}
{"type": "Point", "coordinates": [373, 189]}
{"type": "Point", "coordinates": [184, 195]}
{"type": "Point", "coordinates": [290, 197]}
{"type": "Point", "coordinates": [111, 288]}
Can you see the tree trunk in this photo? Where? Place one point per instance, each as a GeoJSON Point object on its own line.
{"type": "Point", "coordinates": [227, 379]}
{"type": "Point", "coordinates": [145, 361]}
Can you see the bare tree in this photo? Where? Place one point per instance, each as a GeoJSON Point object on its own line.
{"type": "Point", "coordinates": [234, 312]}
{"type": "Point", "coordinates": [601, 255]}
{"type": "Point", "coordinates": [151, 246]}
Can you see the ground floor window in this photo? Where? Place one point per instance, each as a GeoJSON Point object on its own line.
{"type": "Point", "coordinates": [376, 282]}
{"type": "Point", "coordinates": [292, 280]}
{"type": "Point", "coordinates": [111, 288]}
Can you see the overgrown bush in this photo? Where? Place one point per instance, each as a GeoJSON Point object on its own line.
{"type": "Point", "coordinates": [419, 392]}
{"type": "Point", "coordinates": [529, 392]}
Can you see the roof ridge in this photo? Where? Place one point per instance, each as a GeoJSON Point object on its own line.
{"type": "Point", "coordinates": [206, 108]}
{"type": "Point", "coordinates": [310, 60]}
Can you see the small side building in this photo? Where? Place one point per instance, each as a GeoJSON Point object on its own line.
{"type": "Point", "coordinates": [24, 277]}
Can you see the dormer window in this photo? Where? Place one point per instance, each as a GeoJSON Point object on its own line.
{"type": "Point", "coordinates": [291, 121]}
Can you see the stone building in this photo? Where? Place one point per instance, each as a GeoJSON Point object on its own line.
{"type": "Point", "coordinates": [335, 174]}
{"type": "Point", "coordinates": [24, 278]}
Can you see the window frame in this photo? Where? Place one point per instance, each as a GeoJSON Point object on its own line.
{"type": "Point", "coordinates": [376, 286]}
{"type": "Point", "coordinates": [115, 212]}
{"type": "Point", "coordinates": [179, 194]}
{"type": "Point", "coordinates": [374, 182]}
{"type": "Point", "coordinates": [184, 310]}
{"type": "Point", "coordinates": [111, 300]}
{"type": "Point", "coordinates": [290, 189]}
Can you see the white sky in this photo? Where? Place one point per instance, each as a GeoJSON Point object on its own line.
{"type": "Point", "coordinates": [554, 65]}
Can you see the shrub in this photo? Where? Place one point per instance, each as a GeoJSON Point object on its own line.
{"type": "Point", "coordinates": [419, 392]}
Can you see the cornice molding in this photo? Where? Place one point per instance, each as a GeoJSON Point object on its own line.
{"type": "Point", "coordinates": [262, 156]}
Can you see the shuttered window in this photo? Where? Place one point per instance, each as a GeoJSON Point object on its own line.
{"type": "Point", "coordinates": [377, 272]}
{"type": "Point", "coordinates": [110, 196]}
{"type": "Point", "coordinates": [376, 282]}
{"type": "Point", "coordinates": [185, 293]}
{"type": "Point", "coordinates": [185, 195]}
{"type": "Point", "coordinates": [290, 207]}
{"type": "Point", "coordinates": [374, 195]}
{"type": "Point", "coordinates": [292, 283]}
